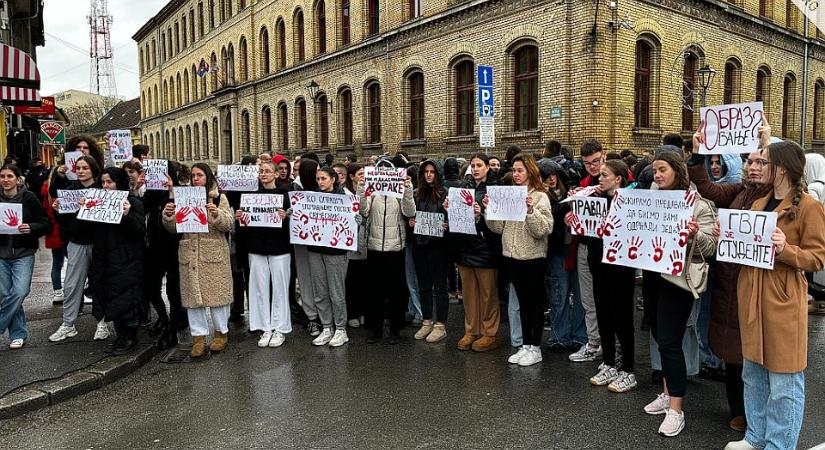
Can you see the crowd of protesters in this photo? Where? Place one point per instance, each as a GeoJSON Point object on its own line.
{"type": "Point", "coordinates": [748, 328]}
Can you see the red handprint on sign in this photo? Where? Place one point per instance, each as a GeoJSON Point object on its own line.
{"type": "Point", "coordinates": [303, 218]}
{"type": "Point", "coordinates": [368, 192]}
{"type": "Point", "coordinates": [615, 247]}
{"type": "Point", "coordinates": [350, 238]}
{"type": "Point", "coordinates": [677, 262]}
{"type": "Point", "coordinates": [200, 214]}
{"type": "Point", "coordinates": [658, 248]}
{"type": "Point", "coordinates": [316, 233]}
{"type": "Point", "coordinates": [576, 225]}
{"type": "Point", "coordinates": [73, 167]}
{"type": "Point", "coordinates": [11, 218]}
{"type": "Point", "coordinates": [467, 197]}
{"type": "Point", "coordinates": [356, 204]}
{"type": "Point", "coordinates": [684, 233]}
{"type": "Point", "coordinates": [245, 219]}
{"type": "Point", "coordinates": [618, 201]}
{"type": "Point", "coordinates": [336, 238]}
{"type": "Point", "coordinates": [633, 251]}
{"type": "Point", "coordinates": [609, 224]}
{"type": "Point", "coordinates": [182, 214]}
{"type": "Point", "coordinates": [690, 198]}
{"type": "Point", "coordinates": [295, 198]}
{"type": "Point", "coordinates": [302, 235]}
{"type": "Point", "coordinates": [92, 203]}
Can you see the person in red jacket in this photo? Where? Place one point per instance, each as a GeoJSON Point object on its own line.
{"type": "Point", "coordinates": [55, 244]}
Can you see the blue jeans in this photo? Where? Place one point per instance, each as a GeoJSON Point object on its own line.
{"type": "Point", "coordinates": [566, 319]}
{"type": "Point", "coordinates": [774, 406]}
{"type": "Point", "coordinates": [414, 305]}
{"type": "Point", "coordinates": [514, 318]}
{"type": "Point", "coordinates": [703, 326]}
{"type": "Point", "coordinates": [15, 284]}
{"type": "Point", "coordinates": [58, 258]}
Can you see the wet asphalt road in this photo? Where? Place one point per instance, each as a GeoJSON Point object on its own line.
{"type": "Point", "coordinates": [413, 395]}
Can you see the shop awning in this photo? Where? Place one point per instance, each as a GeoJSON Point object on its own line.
{"type": "Point", "coordinates": [17, 96]}
{"type": "Point", "coordinates": [18, 69]}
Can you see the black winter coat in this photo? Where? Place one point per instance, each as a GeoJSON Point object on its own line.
{"type": "Point", "coordinates": [555, 243]}
{"type": "Point", "coordinates": [116, 272]}
{"type": "Point", "coordinates": [71, 230]}
{"type": "Point", "coordinates": [428, 204]}
{"type": "Point", "coordinates": [268, 241]}
{"type": "Point", "coordinates": [35, 216]}
{"type": "Point", "coordinates": [484, 249]}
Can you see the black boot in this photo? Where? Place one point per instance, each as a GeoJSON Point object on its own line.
{"type": "Point", "coordinates": [128, 343]}
{"type": "Point", "coordinates": [159, 326]}
{"type": "Point", "coordinates": [169, 339]}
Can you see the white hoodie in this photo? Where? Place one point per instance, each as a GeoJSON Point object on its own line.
{"type": "Point", "coordinates": [815, 175]}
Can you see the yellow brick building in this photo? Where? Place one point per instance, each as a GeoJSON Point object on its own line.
{"type": "Point", "coordinates": [400, 74]}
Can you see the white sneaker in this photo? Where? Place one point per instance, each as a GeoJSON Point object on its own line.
{"type": "Point", "coordinates": [323, 338]}
{"type": "Point", "coordinates": [57, 296]}
{"type": "Point", "coordinates": [62, 333]}
{"type": "Point", "coordinates": [625, 382]}
{"type": "Point", "coordinates": [533, 356]}
{"type": "Point", "coordinates": [340, 338]}
{"type": "Point", "coordinates": [516, 357]}
{"type": "Point", "coordinates": [586, 354]}
{"type": "Point", "coordinates": [277, 340]}
{"type": "Point", "coordinates": [265, 338]}
{"type": "Point", "coordinates": [87, 300]}
{"type": "Point", "coordinates": [605, 376]}
{"type": "Point", "coordinates": [673, 424]}
{"type": "Point", "coordinates": [102, 331]}
{"type": "Point", "coordinates": [658, 406]}
{"type": "Point", "coordinates": [354, 323]}
{"type": "Point", "coordinates": [739, 445]}
{"type": "Point", "coordinates": [17, 343]}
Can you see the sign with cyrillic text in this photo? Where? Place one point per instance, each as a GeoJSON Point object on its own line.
{"type": "Point", "coordinates": [584, 192]}
{"type": "Point", "coordinates": [102, 206]}
{"type": "Point", "coordinates": [461, 215]}
{"type": "Point", "coordinates": [190, 209]}
{"type": "Point", "coordinates": [745, 238]}
{"type": "Point", "coordinates": [507, 203]}
{"type": "Point", "coordinates": [120, 145]}
{"type": "Point", "coordinates": [261, 210]}
{"type": "Point", "coordinates": [154, 171]}
{"type": "Point", "coordinates": [429, 224]}
{"type": "Point", "coordinates": [324, 220]}
{"type": "Point", "coordinates": [730, 128]}
{"type": "Point", "coordinates": [68, 200]}
{"type": "Point", "coordinates": [588, 215]}
{"type": "Point", "coordinates": [237, 178]}
{"type": "Point", "coordinates": [386, 181]}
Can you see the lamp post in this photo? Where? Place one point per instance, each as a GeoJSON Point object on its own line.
{"type": "Point", "coordinates": [313, 89]}
{"type": "Point", "coordinates": [706, 76]}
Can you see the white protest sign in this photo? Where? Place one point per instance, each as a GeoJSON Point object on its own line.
{"type": "Point", "coordinates": [71, 164]}
{"type": "Point", "coordinates": [461, 216]}
{"type": "Point", "coordinates": [154, 171]}
{"type": "Point", "coordinates": [67, 200]}
{"type": "Point", "coordinates": [588, 215]}
{"type": "Point", "coordinates": [429, 224]}
{"type": "Point", "coordinates": [507, 203]}
{"type": "Point", "coordinates": [585, 192]}
{"type": "Point", "coordinates": [648, 229]}
{"type": "Point", "coordinates": [745, 238]}
{"type": "Point", "coordinates": [237, 178]}
{"type": "Point", "coordinates": [120, 145]}
{"type": "Point", "coordinates": [261, 210]}
{"type": "Point", "coordinates": [324, 220]}
{"type": "Point", "coordinates": [190, 209]}
{"type": "Point", "coordinates": [11, 217]}
{"type": "Point", "coordinates": [102, 206]}
{"type": "Point", "coordinates": [386, 181]}
{"type": "Point", "coordinates": [731, 128]}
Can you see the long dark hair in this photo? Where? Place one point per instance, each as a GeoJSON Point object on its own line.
{"type": "Point", "coordinates": [436, 192]}
{"type": "Point", "coordinates": [94, 149]}
{"type": "Point", "coordinates": [789, 156]}
{"type": "Point", "coordinates": [674, 160]}
{"type": "Point", "coordinates": [619, 168]}
{"type": "Point", "coordinates": [331, 173]}
{"type": "Point", "coordinates": [211, 183]}
{"type": "Point", "coordinates": [119, 176]}
{"type": "Point", "coordinates": [352, 169]}
{"type": "Point", "coordinates": [93, 166]}
{"type": "Point", "coordinates": [306, 172]}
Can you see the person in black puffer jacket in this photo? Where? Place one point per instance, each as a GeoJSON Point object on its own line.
{"type": "Point", "coordinates": [430, 255]}
{"type": "Point", "coordinates": [116, 271]}
{"type": "Point", "coordinates": [452, 180]}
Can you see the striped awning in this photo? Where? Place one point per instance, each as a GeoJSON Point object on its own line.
{"type": "Point", "coordinates": [17, 96]}
{"type": "Point", "coordinates": [18, 69]}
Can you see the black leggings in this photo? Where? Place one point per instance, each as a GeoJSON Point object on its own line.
{"type": "Point", "coordinates": [357, 278]}
{"type": "Point", "coordinates": [528, 279]}
{"type": "Point", "coordinates": [735, 388]}
{"type": "Point", "coordinates": [388, 293]}
{"type": "Point", "coordinates": [613, 289]}
{"type": "Point", "coordinates": [160, 263]}
{"type": "Point", "coordinates": [673, 307]}
{"type": "Point", "coordinates": [430, 265]}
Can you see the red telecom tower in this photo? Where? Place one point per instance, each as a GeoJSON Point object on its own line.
{"type": "Point", "coordinates": [101, 71]}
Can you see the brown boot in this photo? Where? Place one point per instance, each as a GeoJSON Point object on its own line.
{"type": "Point", "coordinates": [198, 346]}
{"type": "Point", "coordinates": [738, 423]}
{"type": "Point", "coordinates": [218, 342]}
{"type": "Point", "coordinates": [466, 342]}
{"type": "Point", "coordinates": [486, 343]}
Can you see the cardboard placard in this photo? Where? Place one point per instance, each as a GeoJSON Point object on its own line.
{"type": "Point", "coordinates": [585, 192]}
{"type": "Point", "coordinates": [155, 176]}
{"type": "Point", "coordinates": [120, 145]}
{"type": "Point", "coordinates": [238, 178]}
{"type": "Point", "coordinates": [261, 210]}
{"type": "Point", "coordinates": [102, 206]}
{"type": "Point", "coordinates": [11, 217]}
{"type": "Point", "coordinates": [386, 181]}
{"type": "Point", "coordinates": [588, 215]}
{"type": "Point", "coordinates": [731, 128]}
{"type": "Point", "coordinates": [429, 224]}
{"type": "Point", "coordinates": [507, 203]}
{"type": "Point", "coordinates": [745, 238]}
{"type": "Point", "coordinates": [324, 220]}
{"type": "Point", "coordinates": [68, 200]}
{"type": "Point", "coordinates": [461, 215]}
{"type": "Point", "coordinates": [190, 209]}
{"type": "Point", "coordinates": [71, 164]}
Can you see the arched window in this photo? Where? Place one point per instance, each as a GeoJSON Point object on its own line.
{"type": "Point", "coordinates": [141, 64]}
{"type": "Point", "coordinates": [188, 145]}
{"type": "Point", "coordinates": [184, 32]}
{"type": "Point", "coordinates": [196, 140]}
{"type": "Point", "coordinates": [788, 106]}
{"type": "Point", "coordinates": [264, 51]}
{"type": "Point", "coordinates": [163, 46]}
{"type": "Point", "coordinates": [224, 70]}
{"type": "Point", "coordinates": [283, 126]}
{"type": "Point", "coordinates": [168, 147]}
{"type": "Point", "coordinates": [155, 107]}
{"type": "Point", "coordinates": [321, 26]}
{"type": "Point", "coordinates": [689, 87]}
{"type": "Point", "coordinates": [763, 87]}
{"type": "Point", "coordinates": [345, 112]}
{"type": "Point", "coordinates": [211, 15]}
{"type": "Point", "coordinates": [246, 144]}
{"type": "Point", "coordinates": [345, 22]}
{"type": "Point", "coordinates": [373, 97]}
{"type": "Point", "coordinates": [281, 38]}
{"type": "Point", "coordinates": [165, 95]}
{"type": "Point", "coordinates": [415, 92]}
{"type": "Point", "coordinates": [213, 74]}
{"type": "Point", "coordinates": [242, 56]}
{"type": "Point", "coordinates": [819, 103]}
{"type": "Point", "coordinates": [205, 131]}
{"type": "Point", "coordinates": [173, 150]}
{"type": "Point", "coordinates": [181, 146]}
{"type": "Point", "coordinates": [178, 91]}
{"type": "Point", "coordinates": [266, 128]}
{"type": "Point", "coordinates": [465, 88]}
{"type": "Point", "coordinates": [526, 80]}
{"type": "Point", "coordinates": [203, 80]}
{"type": "Point", "coordinates": [200, 19]}
{"type": "Point", "coordinates": [215, 147]}
{"type": "Point", "coordinates": [154, 54]}
{"type": "Point", "coordinates": [731, 90]}
{"type": "Point", "coordinates": [299, 35]}
{"type": "Point", "coordinates": [373, 17]}
{"type": "Point", "coordinates": [230, 64]}
{"type": "Point", "coordinates": [791, 17]}
{"type": "Point", "coordinates": [151, 141]}
{"type": "Point", "coordinates": [301, 122]}
{"type": "Point", "coordinates": [642, 84]}
{"type": "Point", "coordinates": [194, 83]}
{"type": "Point", "coordinates": [186, 86]}
{"type": "Point", "coordinates": [322, 113]}
{"type": "Point", "coordinates": [223, 14]}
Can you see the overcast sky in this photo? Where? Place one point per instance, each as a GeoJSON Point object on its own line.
{"type": "Point", "coordinates": [64, 61]}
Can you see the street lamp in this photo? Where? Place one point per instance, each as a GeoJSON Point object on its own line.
{"type": "Point", "coordinates": [312, 89]}
{"type": "Point", "coordinates": [706, 76]}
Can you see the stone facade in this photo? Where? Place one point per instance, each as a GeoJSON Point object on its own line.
{"type": "Point", "coordinates": [586, 67]}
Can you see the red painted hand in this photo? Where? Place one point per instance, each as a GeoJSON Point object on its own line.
{"type": "Point", "coordinates": [182, 214]}
{"type": "Point", "coordinates": [615, 247]}
{"type": "Point", "coordinates": [11, 219]}
{"type": "Point", "coordinates": [200, 214]}
{"type": "Point", "coordinates": [633, 251]}
{"type": "Point", "coordinates": [658, 249]}
{"type": "Point", "coordinates": [467, 197]}
{"type": "Point", "coordinates": [677, 262]}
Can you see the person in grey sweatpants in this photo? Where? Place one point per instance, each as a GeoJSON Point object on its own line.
{"type": "Point", "coordinates": [77, 270]}
{"type": "Point", "coordinates": [591, 350]}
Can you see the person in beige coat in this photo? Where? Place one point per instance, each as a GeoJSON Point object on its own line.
{"type": "Point", "coordinates": [773, 313]}
{"type": "Point", "coordinates": [205, 277]}
{"type": "Point", "coordinates": [525, 252]}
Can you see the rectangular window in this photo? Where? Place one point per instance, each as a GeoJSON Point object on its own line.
{"type": "Point", "coordinates": [200, 19]}
{"type": "Point", "coordinates": [416, 106]}
{"type": "Point", "coordinates": [345, 22]}
{"type": "Point", "coordinates": [323, 117]}
{"type": "Point", "coordinates": [346, 113]}
{"type": "Point", "coordinates": [416, 8]}
{"type": "Point", "coordinates": [527, 88]}
{"type": "Point", "coordinates": [642, 85]}
{"type": "Point", "coordinates": [465, 99]}
{"type": "Point", "coordinates": [373, 17]}
{"type": "Point", "coordinates": [374, 106]}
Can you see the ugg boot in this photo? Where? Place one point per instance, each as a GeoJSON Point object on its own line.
{"type": "Point", "coordinates": [198, 346]}
{"type": "Point", "coordinates": [219, 342]}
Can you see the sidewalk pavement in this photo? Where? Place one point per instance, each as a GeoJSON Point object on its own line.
{"type": "Point", "coordinates": [43, 372]}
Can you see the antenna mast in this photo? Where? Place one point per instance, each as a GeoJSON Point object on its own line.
{"type": "Point", "coordinates": [101, 71]}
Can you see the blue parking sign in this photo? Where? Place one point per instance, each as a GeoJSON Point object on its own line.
{"type": "Point", "coordinates": [485, 92]}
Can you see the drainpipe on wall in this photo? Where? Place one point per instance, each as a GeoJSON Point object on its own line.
{"type": "Point", "coordinates": [804, 118]}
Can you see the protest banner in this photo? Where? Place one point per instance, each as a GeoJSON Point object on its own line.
{"type": "Point", "coordinates": [70, 159]}
{"type": "Point", "coordinates": [429, 224]}
{"type": "Point", "coordinates": [461, 216]}
{"type": "Point", "coordinates": [324, 220]}
{"type": "Point", "coordinates": [588, 215]}
{"type": "Point", "coordinates": [190, 209]}
{"type": "Point", "coordinates": [102, 206]}
{"type": "Point", "coordinates": [261, 210]}
{"type": "Point", "coordinates": [648, 230]}
{"type": "Point", "coordinates": [154, 172]}
{"type": "Point", "coordinates": [584, 192]}
{"type": "Point", "coordinates": [11, 217]}
{"type": "Point", "coordinates": [67, 203]}
{"type": "Point", "coordinates": [386, 181]}
{"type": "Point", "coordinates": [730, 128]}
{"type": "Point", "coordinates": [745, 238]}
{"type": "Point", "coordinates": [507, 203]}
{"type": "Point", "coordinates": [236, 177]}
{"type": "Point", "coordinates": [120, 145]}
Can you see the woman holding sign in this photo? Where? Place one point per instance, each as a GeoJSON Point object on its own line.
{"type": "Point", "coordinates": [23, 223]}
{"type": "Point", "coordinates": [205, 274]}
{"type": "Point", "coordinates": [773, 314]}
{"type": "Point", "coordinates": [525, 254]}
